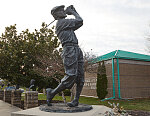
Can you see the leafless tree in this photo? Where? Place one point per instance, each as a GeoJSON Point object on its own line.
{"type": "Point", "coordinates": [49, 65]}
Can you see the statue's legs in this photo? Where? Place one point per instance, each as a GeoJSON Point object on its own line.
{"type": "Point", "coordinates": [66, 83]}
{"type": "Point", "coordinates": [52, 92]}
{"type": "Point", "coordinates": [79, 82]}
{"type": "Point", "coordinates": [73, 64]}
{"type": "Point", "coordinates": [75, 102]}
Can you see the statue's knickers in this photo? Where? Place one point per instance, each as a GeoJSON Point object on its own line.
{"type": "Point", "coordinates": [73, 63]}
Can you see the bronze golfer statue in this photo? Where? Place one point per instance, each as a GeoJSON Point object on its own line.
{"type": "Point", "coordinates": [72, 55]}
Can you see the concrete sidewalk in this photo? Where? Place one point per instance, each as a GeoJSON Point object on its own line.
{"type": "Point", "coordinates": [6, 109]}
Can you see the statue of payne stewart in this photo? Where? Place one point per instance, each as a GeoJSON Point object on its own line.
{"type": "Point", "coordinates": [72, 55]}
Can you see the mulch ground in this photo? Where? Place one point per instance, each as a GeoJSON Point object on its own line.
{"type": "Point", "coordinates": [138, 113]}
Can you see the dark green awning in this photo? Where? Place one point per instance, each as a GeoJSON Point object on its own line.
{"type": "Point", "coordinates": [122, 55]}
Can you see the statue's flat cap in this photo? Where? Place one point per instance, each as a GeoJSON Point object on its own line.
{"type": "Point", "coordinates": [57, 8]}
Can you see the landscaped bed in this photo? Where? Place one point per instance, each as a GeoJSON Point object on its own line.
{"type": "Point", "coordinates": [135, 107]}
{"type": "Point", "coordinates": [135, 104]}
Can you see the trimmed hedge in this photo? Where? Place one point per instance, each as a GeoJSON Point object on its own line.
{"type": "Point", "coordinates": [101, 81]}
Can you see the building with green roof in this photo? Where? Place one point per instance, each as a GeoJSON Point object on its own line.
{"type": "Point", "coordinates": [128, 74]}
{"type": "Point", "coordinates": [123, 55]}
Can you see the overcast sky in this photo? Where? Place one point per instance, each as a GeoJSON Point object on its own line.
{"type": "Point", "coordinates": [108, 24]}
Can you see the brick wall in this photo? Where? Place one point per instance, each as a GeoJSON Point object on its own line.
{"type": "Point", "coordinates": [134, 79]}
{"type": "Point", "coordinates": [16, 98]}
{"type": "Point", "coordinates": [31, 99]}
{"type": "Point", "coordinates": [1, 94]}
{"type": "Point", "coordinates": [7, 96]}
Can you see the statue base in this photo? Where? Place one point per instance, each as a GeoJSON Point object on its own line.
{"type": "Point", "coordinates": [63, 108]}
{"type": "Point", "coordinates": [98, 110]}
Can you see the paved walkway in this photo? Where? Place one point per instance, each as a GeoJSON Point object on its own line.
{"type": "Point", "coordinates": [6, 109]}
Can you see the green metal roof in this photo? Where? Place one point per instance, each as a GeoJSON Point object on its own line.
{"type": "Point", "coordinates": [123, 55]}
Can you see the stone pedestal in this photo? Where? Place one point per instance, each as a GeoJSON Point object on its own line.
{"type": "Point", "coordinates": [31, 99]}
{"type": "Point", "coordinates": [98, 110]}
{"type": "Point", "coordinates": [1, 94]}
{"type": "Point", "coordinates": [63, 108]}
{"type": "Point", "coordinates": [7, 96]}
{"type": "Point", "coordinates": [16, 98]}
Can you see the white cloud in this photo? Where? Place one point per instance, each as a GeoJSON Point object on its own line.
{"type": "Point", "coordinates": [108, 24]}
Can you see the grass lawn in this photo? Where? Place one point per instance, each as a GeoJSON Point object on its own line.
{"type": "Point", "coordinates": [136, 104]}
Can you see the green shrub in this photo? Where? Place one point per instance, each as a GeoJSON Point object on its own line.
{"type": "Point", "coordinates": [101, 81]}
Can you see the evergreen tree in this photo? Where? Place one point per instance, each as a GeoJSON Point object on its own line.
{"type": "Point", "coordinates": [101, 81]}
{"type": "Point", "coordinates": [24, 56]}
